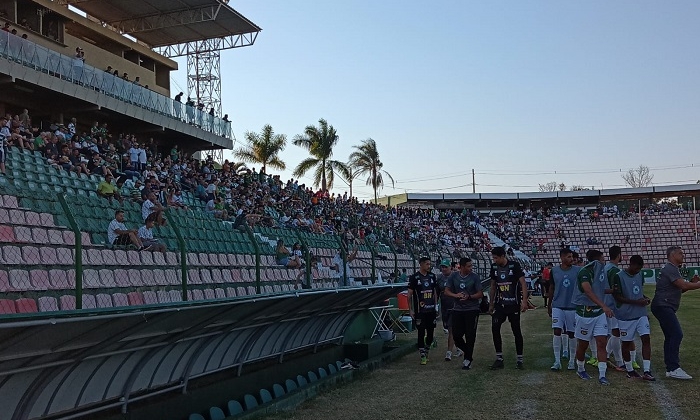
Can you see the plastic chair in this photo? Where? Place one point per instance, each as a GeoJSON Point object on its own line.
{"type": "Point", "coordinates": [234, 407]}
{"type": "Point", "coordinates": [195, 416]}
{"type": "Point", "coordinates": [265, 396]}
{"type": "Point", "coordinates": [250, 402]}
{"type": "Point", "coordinates": [302, 381]}
{"type": "Point", "coordinates": [291, 385]}
{"type": "Point", "coordinates": [277, 390]}
{"type": "Point", "coordinates": [215, 413]}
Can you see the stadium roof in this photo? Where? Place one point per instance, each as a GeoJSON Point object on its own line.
{"type": "Point", "coordinates": [160, 23]}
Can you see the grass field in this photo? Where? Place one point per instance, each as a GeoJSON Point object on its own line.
{"type": "Point", "coordinates": [441, 390]}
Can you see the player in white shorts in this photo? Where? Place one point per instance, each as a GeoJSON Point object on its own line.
{"type": "Point", "coordinates": [613, 346]}
{"type": "Point", "coordinates": [628, 290]}
{"type": "Point", "coordinates": [591, 314]}
{"type": "Point", "coordinates": [561, 308]}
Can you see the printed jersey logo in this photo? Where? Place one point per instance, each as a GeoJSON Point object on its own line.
{"type": "Point", "coordinates": [601, 278]}
{"type": "Point", "coordinates": [566, 282]}
{"type": "Point", "coordinates": [584, 332]}
{"type": "Point", "coordinates": [462, 285]}
{"type": "Point", "coordinates": [426, 284]}
{"type": "Point", "coordinates": [503, 276]}
{"type": "Point", "coordinates": [635, 289]}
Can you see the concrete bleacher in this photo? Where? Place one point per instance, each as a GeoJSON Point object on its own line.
{"type": "Point", "coordinates": [648, 238]}
{"type": "Point", "coordinates": [38, 250]}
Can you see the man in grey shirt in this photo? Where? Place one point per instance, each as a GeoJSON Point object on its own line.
{"type": "Point", "coordinates": [669, 287]}
{"type": "Point", "coordinates": [464, 286]}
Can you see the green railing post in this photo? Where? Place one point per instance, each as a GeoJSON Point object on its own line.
{"type": "Point", "coordinates": [183, 254]}
{"type": "Point", "coordinates": [344, 256]}
{"type": "Point", "coordinates": [256, 248]}
{"type": "Point", "coordinates": [78, 251]}
{"type": "Point", "coordinates": [396, 255]}
{"type": "Point", "coordinates": [307, 258]}
{"type": "Point", "coordinates": [373, 253]}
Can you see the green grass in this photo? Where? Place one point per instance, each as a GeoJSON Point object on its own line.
{"type": "Point", "coordinates": [441, 390]}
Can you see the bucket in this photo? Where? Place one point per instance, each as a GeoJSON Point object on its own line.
{"type": "Point", "coordinates": [386, 335]}
{"type": "Point", "coordinates": [407, 322]}
{"type": "Point", "coordinates": [402, 300]}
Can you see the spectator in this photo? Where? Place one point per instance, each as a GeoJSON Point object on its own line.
{"type": "Point", "coordinates": [175, 199]}
{"type": "Point", "coordinates": [215, 207]}
{"type": "Point", "coordinates": [284, 257]}
{"type": "Point", "coordinates": [118, 234]}
{"type": "Point", "coordinates": [145, 234]}
{"type": "Point", "coordinates": [108, 190]}
{"type": "Point", "coordinates": [344, 269]}
{"type": "Point", "coordinates": [152, 207]}
{"type": "Point", "coordinates": [4, 135]}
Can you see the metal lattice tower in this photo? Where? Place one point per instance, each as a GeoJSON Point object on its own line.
{"type": "Point", "coordinates": [204, 75]}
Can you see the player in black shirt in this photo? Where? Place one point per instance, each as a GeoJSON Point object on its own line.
{"type": "Point", "coordinates": [423, 293]}
{"type": "Point", "coordinates": [508, 298]}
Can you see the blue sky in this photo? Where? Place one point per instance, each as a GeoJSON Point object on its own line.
{"type": "Point", "coordinates": [515, 90]}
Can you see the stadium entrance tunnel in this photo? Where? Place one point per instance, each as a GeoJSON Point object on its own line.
{"type": "Point", "coordinates": [99, 363]}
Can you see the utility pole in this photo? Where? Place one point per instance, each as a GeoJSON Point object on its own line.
{"type": "Point", "coordinates": [473, 183]}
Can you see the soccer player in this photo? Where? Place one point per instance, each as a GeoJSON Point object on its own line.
{"type": "Point", "coordinates": [464, 286]}
{"type": "Point", "coordinates": [446, 303]}
{"type": "Point", "coordinates": [669, 287]}
{"type": "Point", "coordinates": [561, 309]}
{"type": "Point", "coordinates": [591, 313]}
{"type": "Point", "coordinates": [423, 293]}
{"type": "Point", "coordinates": [631, 312]}
{"type": "Point", "coordinates": [613, 346]}
{"type": "Point", "coordinates": [508, 294]}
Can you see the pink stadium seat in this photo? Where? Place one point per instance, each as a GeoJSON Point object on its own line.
{"type": "Point", "coordinates": [163, 296]}
{"type": "Point", "coordinates": [209, 294]}
{"type": "Point", "coordinates": [67, 302]}
{"type": "Point", "coordinates": [230, 292]}
{"type": "Point", "coordinates": [40, 236]}
{"type": "Point", "coordinates": [104, 300]}
{"type": "Point", "coordinates": [39, 279]}
{"type": "Point", "coordinates": [134, 257]}
{"type": "Point", "coordinates": [245, 275]}
{"type": "Point", "coordinates": [135, 277]}
{"type": "Point", "coordinates": [240, 260]}
{"type": "Point", "coordinates": [237, 275]}
{"type": "Point", "coordinates": [277, 288]}
{"type": "Point", "coordinates": [85, 238]}
{"type": "Point", "coordinates": [108, 257]}
{"type": "Point", "coordinates": [159, 259]}
{"type": "Point", "coordinates": [219, 293]}
{"type": "Point", "coordinates": [121, 278]}
{"type": "Point", "coordinates": [213, 259]}
{"type": "Point", "coordinates": [147, 258]}
{"type": "Point", "coordinates": [68, 237]}
{"type": "Point", "coordinates": [135, 298]}
{"type": "Point", "coordinates": [4, 216]}
{"type": "Point", "coordinates": [94, 257]}
{"type": "Point", "coordinates": [46, 220]}
{"type": "Point", "coordinates": [175, 295]}
{"type": "Point", "coordinates": [48, 304]}
{"type": "Point", "coordinates": [193, 276]}
{"type": "Point", "coordinates": [7, 306]}
{"type": "Point", "coordinates": [18, 217]}
{"type": "Point", "coordinates": [89, 302]}
{"type": "Point", "coordinates": [120, 299]}
{"type": "Point", "coordinates": [216, 275]}
{"type": "Point", "coordinates": [7, 234]}
{"type": "Point", "coordinates": [147, 278]}
{"type": "Point", "coordinates": [33, 218]}
{"type": "Point", "coordinates": [23, 234]}
{"type": "Point", "coordinates": [26, 306]}
{"type": "Point", "coordinates": [241, 291]}
{"type": "Point", "coordinates": [121, 258]}
{"type": "Point", "coordinates": [30, 255]}
{"type": "Point", "coordinates": [55, 237]}
{"type": "Point", "coordinates": [91, 279]}
{"type": "Point", "coordinates": [65, 256]}
{"type": "Point", "coordinates": [172, 277]}
{"type": "Point", "coordinates": [205, 276]}
{"type": "Point", "coordinates": [230, 259]}
{"type": "Point", "coordinates": [19, 280]}
{"type": "Point", "coordinates": [226, 275]}
{"type": "Point", "coordinates": [58, 279]}
{"type": "Point", "coordinates": [171, 258]}
{"type": "Point", "coordinates": [249, 260]}
{"type": "Point", "coordinates": [10, 201]}
{"type": "Point", "coordinates": [107, 278]}
{"type": "Point", "coordinates": [48, 255]}
{"type": "Point", "coordinates": [196, 294]}
{"type": "Point", "coordinates": [192, 259]}
{"type": "Point", "coordinates": [4, 281]}
{"type": "Point", "coordinates": [12, 255]}
{"type": "Point", "coordinates": [251, 290]}
{"type": "Point", "coordinates": [159, 278]}
{"type": "Point", "coordinates": [203, 259]}
{"type": "Point", "coordinates": [150, 297]}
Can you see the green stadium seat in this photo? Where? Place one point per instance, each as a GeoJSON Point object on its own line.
{"type": "Point", "coordinates": [278, 391]}
{"type": "Point", "coordinates": [249, 402]}
{"type": "Point", "coordinates": [332, 369]}
{"type": "Point", "coordinates": [265, 396]}
{"type": "Point", "coordinates": [322, 373]}
{"type": "Point", "coordinates": [312, 377]}
{"type": "Point", "coordinates": [302, 381]}
{"type": "Point", "coordinates": [234, 408]}
{"type": "Point", "coordinates": [291, 385]}
{"type": "Point", "coordinates": [215, 413]}
{"type": "Point", "coordinates": [195, 416]}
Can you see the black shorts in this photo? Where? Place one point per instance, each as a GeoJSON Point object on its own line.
{"type": "Point", "coordinates": [426, 320]}
{"type": "Point", "coordinates": [501, 313]}
{"type": "Point", "coordinates": [122, 240]}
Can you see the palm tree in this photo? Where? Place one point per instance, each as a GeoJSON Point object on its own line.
{"type": "Point", "coordinates": [365, 160]}
{"type": "Point", "coordinates": [263, 148]}
{"type": "Point", "coordinates": [319, 141]}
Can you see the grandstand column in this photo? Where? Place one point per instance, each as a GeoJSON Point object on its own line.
{"type": "Point", "coordinates": [373, 252]}
{"type": "Point", "coordinates": [256, 248]}
{"type": "Point", "coordinates": [78, 251]}
{"type": "Point", "coordinates": [183, 254]}
{"type": "Point", "coordinates": [307, 258]}
{"type": "Point", "coordinates": [344, 255]}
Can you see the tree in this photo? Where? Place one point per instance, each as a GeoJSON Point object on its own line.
{"type": "Point", "coordinates": [319, 141]}
{"type": "Point", "coordinates": [365, 160]}
{"type": "Point", "coordinates": [549, 187]}
{"type": "Point", "coordinates": [579, 188]}
{"type": "Point", "coordinates": [638, 177]}
{"type": "Point", "coordinates": [263, 148]}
